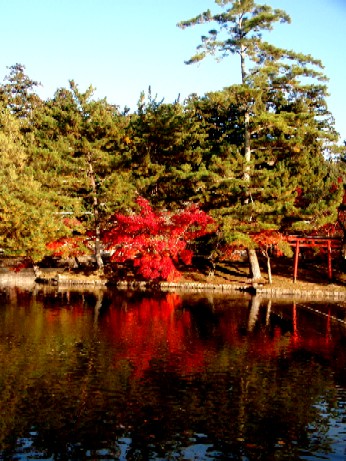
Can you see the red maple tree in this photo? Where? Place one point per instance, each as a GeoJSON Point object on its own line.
{"type": "Point", "coordinates": [155, 241]}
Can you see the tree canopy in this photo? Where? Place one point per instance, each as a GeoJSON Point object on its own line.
{"type": "Point", "coordinates": [272, 124]}
{"type": "Point", "coordinates": [259, 156]}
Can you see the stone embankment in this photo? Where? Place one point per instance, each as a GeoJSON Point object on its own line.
{"type": "Point", "coordinates": [265, 290]}
{"type": "Point", "coordinates": [26, 276]}
{"type": "Point", "coordinates": [326, 292]}
{"type": "Point", "coordinates": [336, 292]}
{"type": "Point", "coordinates": [23, 276]}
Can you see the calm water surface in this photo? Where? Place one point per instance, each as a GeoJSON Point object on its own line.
{"type": "Point", "coordinates": [105, 375]}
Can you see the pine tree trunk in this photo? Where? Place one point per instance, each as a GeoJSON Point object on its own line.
{"type": "Point", "coordinates": [98, 257]}
{"type": "Point", "coordinates": [247, 146]}
{"type": "Point", "coordinates": [269, 269]}
{"type": "Point", "coordinates": [255, 271]}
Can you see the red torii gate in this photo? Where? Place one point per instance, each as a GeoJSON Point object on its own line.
{"type": "Point", "coordinates": [314, 242]}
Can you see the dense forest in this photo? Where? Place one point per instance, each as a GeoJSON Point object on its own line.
{"type": "Point", "coordinates": [257, 158]}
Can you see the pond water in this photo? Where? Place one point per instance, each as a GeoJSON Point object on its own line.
{"type": "Point", "coordinates": [106, 375]}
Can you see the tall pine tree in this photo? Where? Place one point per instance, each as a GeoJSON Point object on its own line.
{"type": "Point", "coordinates": [280, 107]}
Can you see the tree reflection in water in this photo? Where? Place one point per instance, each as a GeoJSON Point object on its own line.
{"type": "Point", "coordinates": [109, 375]}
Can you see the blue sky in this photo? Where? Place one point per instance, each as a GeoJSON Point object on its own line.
{"type": "Point", "coordinates": [121, 47]}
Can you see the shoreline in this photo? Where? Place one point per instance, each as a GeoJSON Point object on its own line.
{"type": "Point", "coordinates": [298, 289]}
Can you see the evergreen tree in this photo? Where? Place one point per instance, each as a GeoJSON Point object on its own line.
{"type": "Point", "coordinates": [18, 92]}
{"type": "Point", "coordinates": [283, 120]}
{"type": "Point", "coordinates": [165, 146]}
{"type": "Point", "coordinates": [29, 217]}
{"type": "Point", "coordinates": [77, 152]}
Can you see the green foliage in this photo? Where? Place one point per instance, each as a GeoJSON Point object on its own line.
{"type": "Point", "coordinates": [18, 92]}
{"type": "Point", "coordinates": [165, 145]}
{"type": "Point", "coordinates": [28, 214]}
{"type": "Point", "coordinates": [258, 156]}
{"type": "Point", "coordinates": [240, 28]}
{"type": "Point", "coordinates": [285, 248]}
{"type": "Point", "coordinates": [269, 137]}
{"type": "Point", "coordinates": [81, 138]}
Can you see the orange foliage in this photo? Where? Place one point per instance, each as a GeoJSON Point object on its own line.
{"type": "Point", "coordinates": [68, 246]}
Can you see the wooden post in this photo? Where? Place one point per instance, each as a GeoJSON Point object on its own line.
{"type": "Point", "coordinates": [330, 271]}
{"type": "Point", "coordinates": [296, 257]}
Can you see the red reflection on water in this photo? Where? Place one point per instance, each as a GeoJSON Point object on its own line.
{"type": "Point", "coordinates": [154, 329]}
{"type": "Point", "coordinates": [145, 330]}
{"type": "Point", "coordinates": [295, 336]}
{"type": "Point", "coordinates": [296, 329]}
{"type": "Point", "coordinates": [307, 335]}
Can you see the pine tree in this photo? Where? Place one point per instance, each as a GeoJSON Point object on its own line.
{"type": "Point", "coordinates": [280, 107]}
{"type": "Point", "coordinates": [165, 151]}
{"type": "Point", "coordinates": [18, 92]}
{"type": "Point", "coordinates": [29, 217]}
{"type": "Point", "coordinates": [78, 139]}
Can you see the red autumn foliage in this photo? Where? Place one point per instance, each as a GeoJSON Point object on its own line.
{"type": "Point", "coordinates": [267, 238]}
{"type": "Point", "coordinates": [75, 245]}
{"type": "Point", "coordinates": [156, 241]}
{"type": "Point", "coordinates": [232, 252]}
{"type": "Point", "coordinates": [264, 240]}
{"type": "Point", "coordinates": [333, 230]}
{"type": "Point", "coordinates": [68, 246]}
